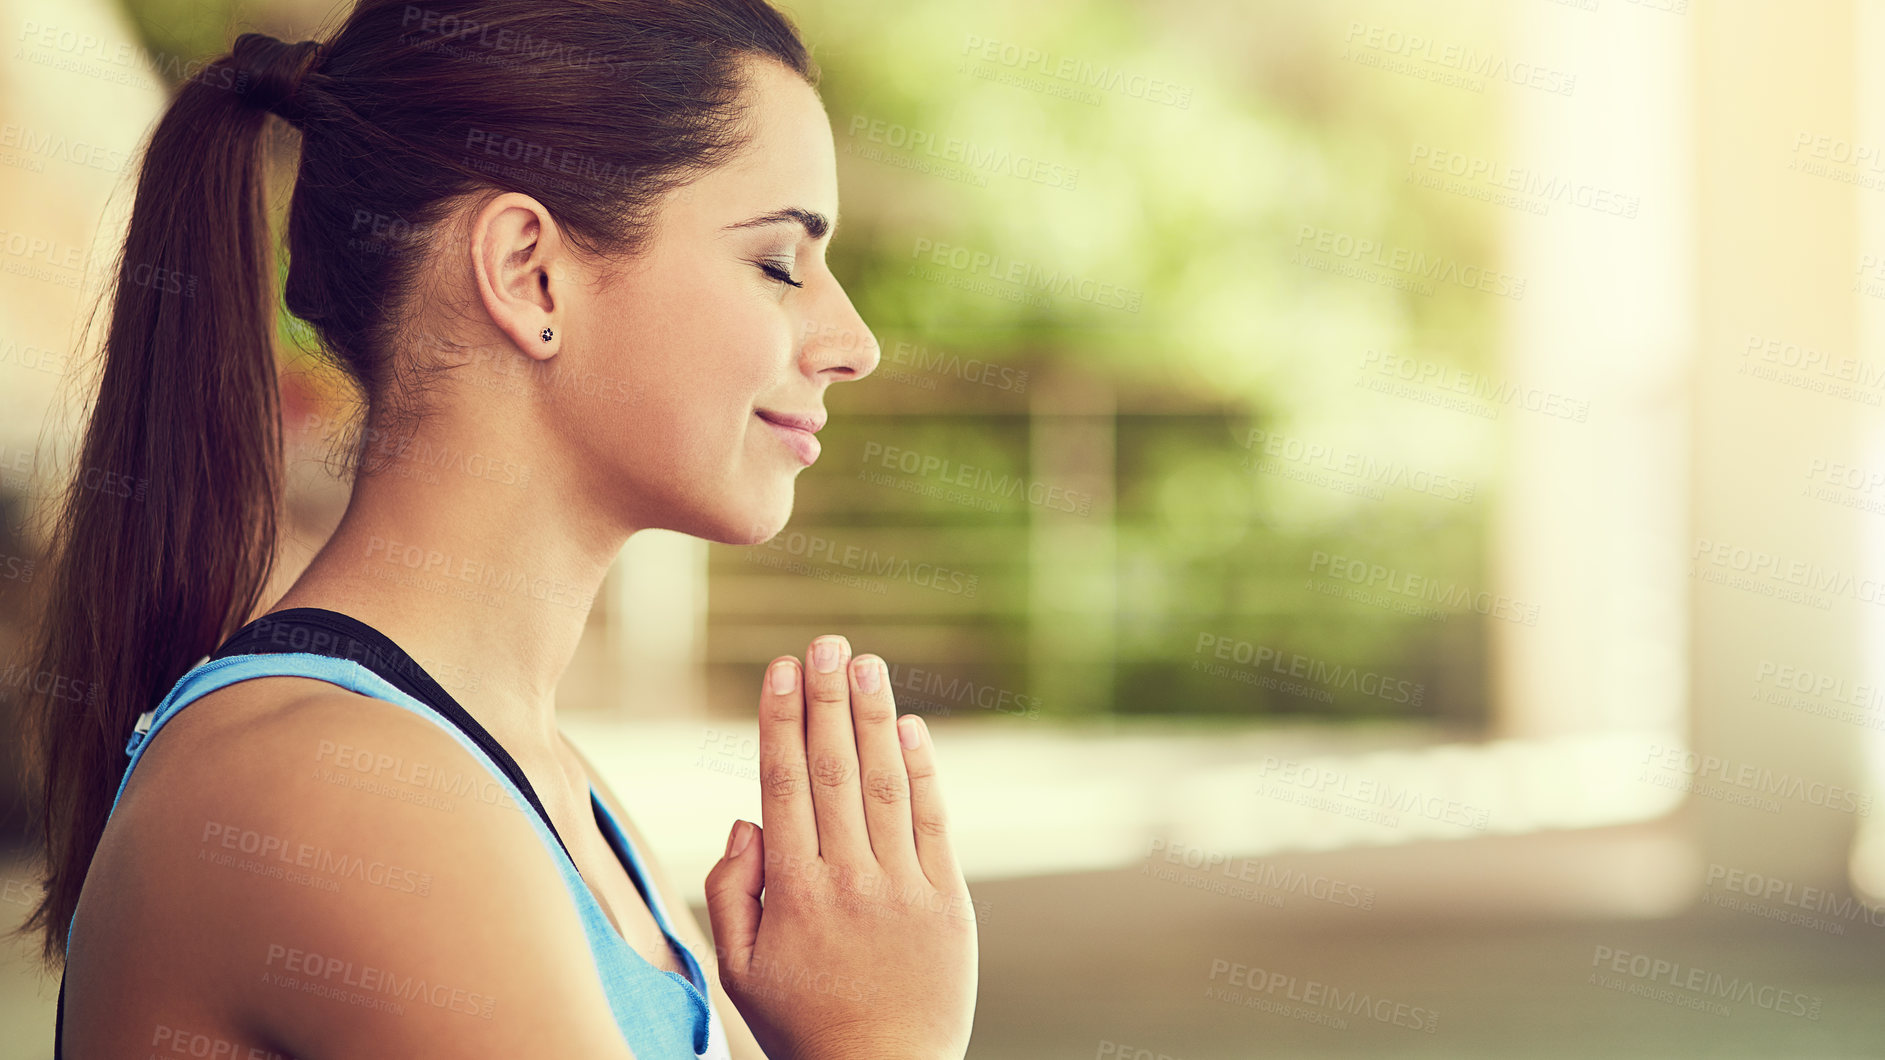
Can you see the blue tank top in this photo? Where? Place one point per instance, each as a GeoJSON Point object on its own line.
{"type": "Point", "coordinates": [661, 1014]}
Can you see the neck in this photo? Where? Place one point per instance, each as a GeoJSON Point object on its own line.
{"type": "Point", "coordinates": [470, 564]}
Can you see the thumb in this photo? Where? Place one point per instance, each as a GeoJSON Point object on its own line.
{"type": "Point", "coordinates": [733, 887]}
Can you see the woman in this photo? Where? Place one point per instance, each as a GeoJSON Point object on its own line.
{"type": "Point", "coordinates": [574, 253]}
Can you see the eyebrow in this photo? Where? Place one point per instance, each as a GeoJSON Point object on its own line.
{"type": "Point", "coordinates": [815, 224]}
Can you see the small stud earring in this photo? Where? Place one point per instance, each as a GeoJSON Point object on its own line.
{"type": "Point", "coordinates": [546, 334]}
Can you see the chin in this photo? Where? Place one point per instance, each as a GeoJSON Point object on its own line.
{"type": "Point", "coordinates": [758, 520]}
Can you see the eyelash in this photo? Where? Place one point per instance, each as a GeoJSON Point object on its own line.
{"type": "Point", "coordinates": [777, 273]}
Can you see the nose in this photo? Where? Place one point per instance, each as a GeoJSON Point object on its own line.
{"type": "Point", "coordinates": [836, 339]}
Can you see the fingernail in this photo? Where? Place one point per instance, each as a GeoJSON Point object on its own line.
{"type": "Point", "coordinates": [740, 838]}
{"type": "Point", "coordinates": [867, 673]}
{"type": "Point", "coordinates": [825, 654]}
{"type": "Point", "coordinates": [784, 676]}
{"type": "Point", "coordinates": [908, 732]}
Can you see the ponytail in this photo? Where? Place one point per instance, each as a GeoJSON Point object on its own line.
{"type": "Point", "coordinates": [163, 538]}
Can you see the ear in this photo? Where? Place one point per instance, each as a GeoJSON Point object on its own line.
{"type": "Point", "coordinates": [516, 259]}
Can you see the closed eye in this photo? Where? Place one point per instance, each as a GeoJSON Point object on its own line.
{"type": "Point", "coordinates": [777, 273]}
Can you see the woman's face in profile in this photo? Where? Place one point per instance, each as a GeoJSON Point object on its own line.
{"type": "Point", "coordinates": [712, 342]}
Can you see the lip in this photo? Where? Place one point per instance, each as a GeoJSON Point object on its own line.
{"type": "Point", "coordinates": [795, 432]}
{"type": "Point", "coordinates": [813, 423]}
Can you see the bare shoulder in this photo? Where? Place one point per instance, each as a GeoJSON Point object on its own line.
{"type": "Point", "coordinates": [340, 874]}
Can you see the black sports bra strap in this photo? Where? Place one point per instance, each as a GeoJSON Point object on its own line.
{"type": "Point", "coordinates": [318, 631]}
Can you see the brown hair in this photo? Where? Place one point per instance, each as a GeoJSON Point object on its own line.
{"type": "Point", "coordinates": [164, 540]}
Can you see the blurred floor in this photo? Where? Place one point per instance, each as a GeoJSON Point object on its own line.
{"type": "Point", "coordinates": [1073, 965]}
{"type": "Point", "coordinates": [1082, 965]}
{"type": "Point", "coordinates": [26, 998]}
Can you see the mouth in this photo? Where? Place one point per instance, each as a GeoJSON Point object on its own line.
{"type": "Point", "coordinates": [797, 432]}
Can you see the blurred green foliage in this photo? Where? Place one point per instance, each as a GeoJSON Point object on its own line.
{"type": "Point", "coordinates": [1199, 208]}
{"type": "Point", "coordinates": [179, 33]}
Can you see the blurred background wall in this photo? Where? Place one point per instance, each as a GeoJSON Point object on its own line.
{"type": "Point", "coordinates": [1385, 494]}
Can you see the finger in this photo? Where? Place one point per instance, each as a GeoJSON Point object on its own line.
{"type": "Point", "coordinates": [929, 823]}
{"type": "Point", "coordinates": [831, 752]}
{"type": "Point", "coordinates": [886, 783]}
{"type": "Point", "coordinates": [733, 887]}
{"type": "Point", "coordinates": [785, 806]}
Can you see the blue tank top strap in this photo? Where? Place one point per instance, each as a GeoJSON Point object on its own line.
{"type": "Point", "coordinates": [637, 990]}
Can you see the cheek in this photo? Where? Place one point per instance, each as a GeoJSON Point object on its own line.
{"type": "Point", "coordinates": [699, 357]}
{"type": "Point", "coordinates": [704, 417]}
{"type": "Point", "coordinates": [738, 359]}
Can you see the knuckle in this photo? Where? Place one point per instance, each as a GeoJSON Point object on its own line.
{"type": "Point", "coordinates": [783, 710]}
{"type": "Point", "coordinates": [868, 712]}
{"type": "Point", "coordinates": [931, 825]}
{"type": "Point", "coordinates": [783, 865]}
{"type": "Point", "coordinates": [831, 770]}
{"type": "Point", "coordinates": [854, 887]}
{"type": "Point", "coordinates": [829, 693]}
{"type": "Point", "coordinates": [886, 787]}
{"type": "Point", "coordinates": [781, 781]}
